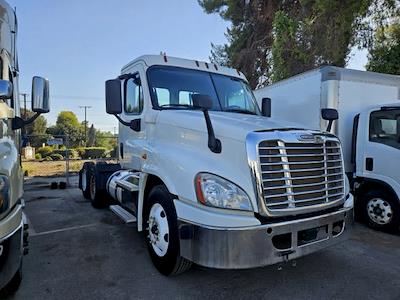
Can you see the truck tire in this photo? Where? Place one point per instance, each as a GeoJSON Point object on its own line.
{"type": "Point", "coordinates": [98, 198]}
{"type": "Point", "coordinates": [162, 235]}
{"type": "Point", "coordinates": [13, 285]}
{"type": "Point", "coordinates": [84, 176]}
{"type": "Point", "coordinates": [381, 211]}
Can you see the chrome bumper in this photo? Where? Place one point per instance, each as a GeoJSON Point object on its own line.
{"type": "Point", "coordinates": [240, 248]}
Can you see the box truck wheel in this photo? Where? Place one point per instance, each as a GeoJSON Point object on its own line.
{"type": "Point", "coordinates": [84, 179]}
{"type": "Point", "coordinates": [162, 236]}
{"type": "Point", "coordinates": [98, 198]}
{"type": "Point", "coordinates": [381, 211]}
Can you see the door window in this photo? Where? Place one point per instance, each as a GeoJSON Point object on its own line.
{"type": "Point", "coordinates": [385, 127]}
{"type": "Point", "coordinates": [133, 96]}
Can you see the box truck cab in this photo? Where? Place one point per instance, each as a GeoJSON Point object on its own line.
{"type": "Point", "coordinates": [209, 178]}
{"type": "Point", "coordinates": [368, 127]}
{"type": "Point", "coordinates": [13, 229]}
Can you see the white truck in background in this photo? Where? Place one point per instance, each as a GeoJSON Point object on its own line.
{"type": "Point", "coordinates": [368, 127]}
{"type": "Point", "coordinates": [211, 180]}
{"type": "Point", "coordinates": [13, 228]}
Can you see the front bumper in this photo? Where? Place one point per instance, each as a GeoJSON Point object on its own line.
{"type": "Point", "coordinates": [249, 247]}
{"type": "Point", "coordinates": [11, 245]}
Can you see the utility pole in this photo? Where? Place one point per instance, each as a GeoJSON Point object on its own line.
{"type": "Point", "coordinates": [85, 107]}
{"type": "Point", "coordinates": [25, 114]}
{"type": "Point", "coordinates": [24, 95]}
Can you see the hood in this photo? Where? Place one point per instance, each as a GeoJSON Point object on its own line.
{"type": "Point", "coordinates": [229, 125]}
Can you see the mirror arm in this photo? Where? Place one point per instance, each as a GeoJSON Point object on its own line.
{"type": "Point", "coordinates": [134, 124]}
{"type": "Point", "coordinates": [18, 122]}
{"type": "Point", "coordinates": [329, 128]}
{"type": "Point", "coordinates": [213, 143]}
{"type": "Point", "coordinates": [122, 121]}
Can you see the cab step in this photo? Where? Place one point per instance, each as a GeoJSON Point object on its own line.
{"type": "Point", "coordinates": [123, 214]}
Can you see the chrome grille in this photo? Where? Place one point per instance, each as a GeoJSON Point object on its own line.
{"type": "Point", "coordinates": [300, 175]}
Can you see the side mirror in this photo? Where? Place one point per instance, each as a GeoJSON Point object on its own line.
{"type": "Point", "coordinates": [203, 102]}
{"type": "Point", "coordinates": [330, 115]}
{"type": "Point", "coordinates": [40, 95]}
{"type": "Point", "coordinates": [266, 107]}
{"type": "Point", "coordinates": [40, 102]}
{"type": "Point", "coordinates": [113, 97]}
{"type": "Point", "coordinates": [6, 88]}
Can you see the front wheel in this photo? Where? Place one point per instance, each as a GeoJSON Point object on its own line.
{"type": "Point", "coordinates": [381, 211]}
{"type": "Point", "coordinates": [162, 235]}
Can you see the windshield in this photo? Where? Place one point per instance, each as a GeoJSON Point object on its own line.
{"type": "Point", "coordinates": [385, 127]}
{"type": "Point", "coordinates": [173, 88]}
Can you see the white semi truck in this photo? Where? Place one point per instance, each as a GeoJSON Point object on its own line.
{"type": "Point", "coordinates": [368, 107]}
{"type": "Point", "coordinates": [211, 180]}
{"type": "Point", "coordinates": [13, 228]}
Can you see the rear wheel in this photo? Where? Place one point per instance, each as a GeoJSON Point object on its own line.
{"type": "Point", "coordinates": [381, 211]}
{"type": "Point", "coordinates": [84, 177]}
{"type": "Point", "coordinates": [98, 198]}
{"type": "Point", "coordinates": [162, 235]}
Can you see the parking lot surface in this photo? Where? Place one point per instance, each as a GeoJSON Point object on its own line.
{"type": "Point", "coordinates": [78, 252]}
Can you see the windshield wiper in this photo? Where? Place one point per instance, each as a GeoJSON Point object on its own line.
{"type": "Point", "coordinates": [241, 111]}
{"type": "Point", "coordinates": [177, 105]}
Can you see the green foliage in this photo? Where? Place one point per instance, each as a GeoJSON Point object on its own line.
{"type": "Point", "coordinates": [91, 137]}
{"type": "Point", "coordinates": [272, 40]}
{"type": "Point", "coordinates": [56, 156]}
{"type": "Point", "coordinates": [384, 54]}
{"type": "Point", "coordinates": [47, 158]}
{"type": "Point", "coordinates": [44, 151]}
{"type": "Point", "coordinates": [92, 152]}
{"type": "Point", "coordinates": [38, 156]}
{"type": "Point", "coordinates": [67, 124]}
{"type": "Point", "coordinates": [36, 130]}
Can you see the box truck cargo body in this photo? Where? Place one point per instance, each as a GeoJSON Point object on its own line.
{"type": "Point", "coordinates": [368, 127]}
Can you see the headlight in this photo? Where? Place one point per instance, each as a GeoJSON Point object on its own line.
{"type": "Point", "coordinates": [4, 186]}
{"type": "Point", "coordinates": [215, 191]}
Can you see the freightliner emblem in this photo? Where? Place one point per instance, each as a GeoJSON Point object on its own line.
{"type": "Point", "coordinates": [318, 139]}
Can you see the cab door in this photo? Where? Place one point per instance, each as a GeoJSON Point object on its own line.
{"type": "Point", "coordinates": [131, 139]}
{"type": "Point", "coordinates": [381, 153]}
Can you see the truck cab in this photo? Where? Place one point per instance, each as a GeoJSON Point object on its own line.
{"type": "Point", "coordinates": [209, 178]}
{"type": "Point", "coordinates": [376, 157]}
{"type": "Point", "coordinates": [13, 226]}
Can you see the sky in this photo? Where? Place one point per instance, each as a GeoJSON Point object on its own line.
{"type": "Point", "coordinates": [78, 45]}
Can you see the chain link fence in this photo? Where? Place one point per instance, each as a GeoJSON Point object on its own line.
{"type": "Point", "coordinates": [63, 156]}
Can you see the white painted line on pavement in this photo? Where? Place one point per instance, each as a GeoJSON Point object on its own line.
{"type": "Point", "coordinates": [63, 229]}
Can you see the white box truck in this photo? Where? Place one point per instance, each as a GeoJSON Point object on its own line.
{"type": "Point", "coordinates": [209, 178]}
{"type": "Point", "coordinates": [13, 228]}
{"type": "Point", "coordinates": [368, 127]}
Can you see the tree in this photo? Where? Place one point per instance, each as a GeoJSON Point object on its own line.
{"type": "Point", "coordinates": [384, 53]}
{"type": "Point", "coordinates": [91, 136]}
{"type": "Point", "coordinates": [35, 131]}
{"type": "Point", "coordinates": [67, 124]}
{"type": "Point", "coordinates": [270, 40]}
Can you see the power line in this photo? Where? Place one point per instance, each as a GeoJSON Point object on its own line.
{"type": "Point", "coordinates": [77, 97]}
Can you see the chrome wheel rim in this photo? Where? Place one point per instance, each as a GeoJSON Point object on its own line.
{"type": "Point", "coordinates": [158, 230]}
{"type": "Point", "coordinates": [379, 211]}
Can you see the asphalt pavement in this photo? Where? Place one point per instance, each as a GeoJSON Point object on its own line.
{"type": "Point", "coordinates": [78, 252]}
